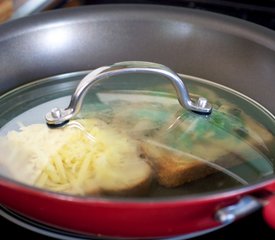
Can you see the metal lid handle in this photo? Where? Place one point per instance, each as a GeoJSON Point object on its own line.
{"type": "Point", "coordinates": [60, 116]}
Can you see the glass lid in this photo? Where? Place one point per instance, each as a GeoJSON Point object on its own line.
{"type": "Point", "coordinates": [134, 129]}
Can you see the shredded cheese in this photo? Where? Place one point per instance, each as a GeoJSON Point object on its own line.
{"type": "Point", "coordinates": [65, 159]}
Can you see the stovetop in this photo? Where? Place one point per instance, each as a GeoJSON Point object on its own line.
{"type": "Point", "coordinates": [260, 12]}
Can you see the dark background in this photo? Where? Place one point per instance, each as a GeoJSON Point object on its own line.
{"type": "Point", "coordinates": [260, 12]}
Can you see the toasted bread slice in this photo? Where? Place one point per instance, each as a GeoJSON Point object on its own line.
{"type": "Point", "coordinates": [177, 161]}
{"type": "Point", "coordinates": [174, 168]}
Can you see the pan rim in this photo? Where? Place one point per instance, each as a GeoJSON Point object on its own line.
{"type": "Point", "coordinates": [220, 22]}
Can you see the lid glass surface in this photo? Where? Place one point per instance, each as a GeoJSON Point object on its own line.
{"type": "Point", "coordinates": [131, 137]}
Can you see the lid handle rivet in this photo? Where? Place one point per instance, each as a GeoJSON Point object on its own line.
{"type": "Point", "coordinates": [202, 102]}
{"type": "Point", "coordinates": [56, 113]}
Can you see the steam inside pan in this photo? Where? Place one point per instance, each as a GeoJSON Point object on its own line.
{"type": "Point", "coordinates": [132, 138]}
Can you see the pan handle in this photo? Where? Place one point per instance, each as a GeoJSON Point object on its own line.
{"type": "Point", "coordinates": [269, 212]}
{"type": "Point", "coordinates": [269, 206]}
{"type": "Point", "coordinates": [59, 117]}
{"type": "Point", "coordinates": [245, 206]}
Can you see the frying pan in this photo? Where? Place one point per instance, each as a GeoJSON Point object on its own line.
{"type": "Point", "coordinates": [222, 49]}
